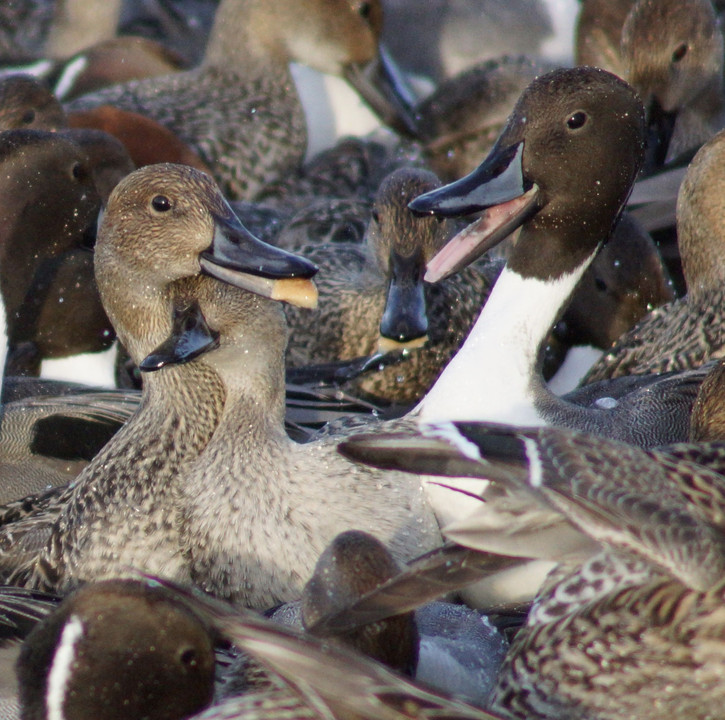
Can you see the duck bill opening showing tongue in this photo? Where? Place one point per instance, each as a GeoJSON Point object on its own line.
{"type": "Point", "coordinates": [497, 188]}
{"type": "Point", "coordinates": [239, 258]}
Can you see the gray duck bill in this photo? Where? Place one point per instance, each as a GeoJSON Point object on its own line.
{"type": "Point", "coordinates": [239, 258]}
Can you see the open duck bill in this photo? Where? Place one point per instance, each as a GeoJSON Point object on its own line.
{"type": "Point", "coordinates": [238, 258]}
{"type": "Point", "coordinates": [498, 188]}
{"type": "Point", "coordinates": [404, 324]}
{"type": "Point", "coordinates": [383, 86]}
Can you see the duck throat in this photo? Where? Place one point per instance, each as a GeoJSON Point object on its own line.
{"type": "Point", "coordinates": [494, 375]}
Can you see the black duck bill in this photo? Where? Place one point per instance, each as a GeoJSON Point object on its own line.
{"type": "Point", "coordinates": [404, 324]}
{"type": "Point", "coordinates": [498, 188]}
{"type": "Point", "coordinates": [190, 337]}
{"type": "Point", "coordinates": [383, 86]}
{"type": "Point", "coordinates": [239, 258]}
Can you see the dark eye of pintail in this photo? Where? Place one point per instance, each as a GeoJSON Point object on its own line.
{"type": "Point", "coordinates": [679, 52]}
{"type": "Point", "coordinates": [78, 171]}
{"type": "Point", "coordinates": [28, 117]}
{"type": "Point", "coordinates": [576, 120]}
{"type": "Point", "coordinates": [375, 216]}
{"type": "Point", "coordinates": [161, 203]}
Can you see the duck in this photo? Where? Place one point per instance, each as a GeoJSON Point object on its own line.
{"type": "Point", "coordinates": [686, 332]}
{"type": "Point", "coordinates": [678, 71]}
{"type": "Point", "coordinates": [26, 103]}
{"type": "Point", "coordinates": [373, 299]}
{"type": "Point", "coordinates": [182, 629]}
{"type": "Point", "coordinates": [241, 112]}
{"type": "Point", "coordinates": [519, 185]}
{"type": "Point", "coordinates": [632, 541]}
{"type": "Point", "coordinates": [118, 503]}
{"type": "Point", "coordinates": [46, 264]}
{"type": "Point", "coordinates": [443, 645]}
{"type": "Point", "coordinates": [117, 646]}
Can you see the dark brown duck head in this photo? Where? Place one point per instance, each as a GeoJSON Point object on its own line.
{"type": "Point", "coordinates": [120, 648]}
{"type": "Point", "coordinates": [535, 176]}
{"type": "Point", "coordinates": [47, 226]}
{"type": "Point", "coordinates": [27, 103]}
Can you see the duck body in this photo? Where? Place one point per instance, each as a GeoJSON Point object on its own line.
{"type": "Point", "coordinates": [258, 509]}
{"type": "Point", "coordinates": [688, 331]}
{"type": "Point", "coordinates": [251, 134]}
{"type": "Point", "coordinates": [130, 483]}
{"type": "Point", "coordinates": [496, 374]}
{"type": "Point", "coordinates": [634, 600]}
{"type": "Point", "coordinates": [373, 298]}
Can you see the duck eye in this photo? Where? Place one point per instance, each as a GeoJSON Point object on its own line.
{"type": "Point", "coordinates": [161, 203]}
{"type": "Point", "coordinates": [679, 52]}
{"type": "Point", "coordinates": [375, 216]}
{"type": "Point", "coordinates": [575, 121]}
{"type": "Point", "coordinates": [28, 117]}
{"type": "Point", "coordinates": [364, 10]}
{"type": "Point", "coordinates": [188, 656]}
{"type": "Point", "coordinates": [78, 171]}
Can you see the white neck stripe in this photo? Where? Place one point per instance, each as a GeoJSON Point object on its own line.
{"type": "Point", "coordinates": [60, 670]}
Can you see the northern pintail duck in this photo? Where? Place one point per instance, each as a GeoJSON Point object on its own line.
{"type": "Point", "coordinates": [115, 649]}
{"type": "Point", "coordinates": [581, 110]}
{"type": "Point", "coordinates": [639, 544]}
{"type": "Point", "coordinates": [444, 645]}
{"type": "Point", "coordinates": [673, 56]}
{"type": "Point", "coordinates": [637, 537]}
{"type": "Point", "coordinates": [50, 205]}
{"type": "Point", "coordinates": [239, 109]}
{"type": "Point", "coordinates": [690, 330]}
{"type": "Point", "coordinates": [168, 632]}
{"type": "Point", "coordinates": [116, 514]}
{"type": "Point", "coordinates": [373, 298]}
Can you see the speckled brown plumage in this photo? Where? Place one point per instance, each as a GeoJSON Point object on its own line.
{"type": "Point", "coordinates": [690, 330]}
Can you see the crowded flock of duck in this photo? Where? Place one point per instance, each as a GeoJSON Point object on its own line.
{"type": "Point", "coordinates": [342, 470]}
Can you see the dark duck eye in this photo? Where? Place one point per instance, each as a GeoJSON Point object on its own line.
{"type": "Point", "coordinates": [576, 120]}
{"type": "Point", "coordinates": [161, 203]}
{"type": "Point", "coordinates": [679, 52]}
{"type": "Point", "coordinates": [28, 117]}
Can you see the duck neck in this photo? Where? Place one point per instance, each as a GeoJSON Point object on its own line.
{"type": "Point", "coordinates": [245, 37]}
{"type": "Point", "coordinates": [495, 375]}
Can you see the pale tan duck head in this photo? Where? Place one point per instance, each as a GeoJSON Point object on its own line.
{"type": "Point", "coordinates": [165, 224]}
{"type": "Point", "coordinates": [673, 56]}
{"type": "Point", "coordinates": [339, 37]}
